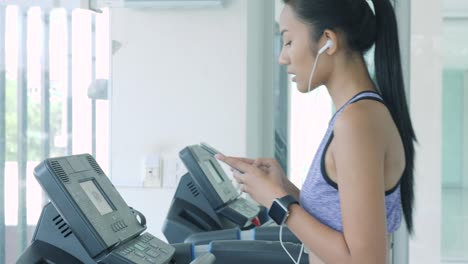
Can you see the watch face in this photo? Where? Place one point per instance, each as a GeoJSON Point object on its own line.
{"type": "Point", "coordinates": [277, 212]}
{"type": "Point", "coordinates": [280, 208]}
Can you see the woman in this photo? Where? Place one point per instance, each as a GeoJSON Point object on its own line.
{"type": "Point", "coordinates": [361, 180]}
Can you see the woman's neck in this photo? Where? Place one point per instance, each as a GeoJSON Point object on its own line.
{"type": "Point", "coordinates": [349, 77]}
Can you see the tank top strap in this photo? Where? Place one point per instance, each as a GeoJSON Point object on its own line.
{"type": "Point", "coordinates": [360, 96]}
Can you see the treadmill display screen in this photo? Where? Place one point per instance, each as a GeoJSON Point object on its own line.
{"type": "Point", "coordinates": [211, 167]}
{"type": "Point", "coordinates": [96, 197]}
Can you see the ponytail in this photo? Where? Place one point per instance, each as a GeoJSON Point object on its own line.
{"type": "Point", "coordinates": [389, 78]}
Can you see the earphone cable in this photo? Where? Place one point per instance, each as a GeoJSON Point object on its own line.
{"type": "Point", "coordinates": [289, 254]}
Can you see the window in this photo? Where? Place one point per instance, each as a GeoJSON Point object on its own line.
{"type": "Point", "coordinates": [454, 222]}
{"type": "Point", "coordinates": [52, 57]}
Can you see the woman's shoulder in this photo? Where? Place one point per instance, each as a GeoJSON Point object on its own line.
{"type": "Point", "coordinates": [364, 118]}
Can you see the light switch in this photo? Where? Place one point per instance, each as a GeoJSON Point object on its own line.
{"type": "Point", "coordinates": [152, 172]}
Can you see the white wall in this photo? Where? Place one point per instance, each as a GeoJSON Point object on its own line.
{"type": "Point", "coordinates": [180, 78]}
{"type": "Point", "coordinates": [426, 111]}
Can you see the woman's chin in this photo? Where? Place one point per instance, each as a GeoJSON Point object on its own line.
{"type": "Point", "coordinates": [305, 89]}
{"type": "Point", "coordinates": [302, 89]}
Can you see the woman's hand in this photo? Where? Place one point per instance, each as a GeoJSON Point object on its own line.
{"type": "Point", "coordinates": [273, 170]}
{"type": "Point", "coordinates": [262, 179]}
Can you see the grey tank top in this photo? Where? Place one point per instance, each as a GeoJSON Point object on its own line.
{"type": "Point", "coordinates": [319, 194]}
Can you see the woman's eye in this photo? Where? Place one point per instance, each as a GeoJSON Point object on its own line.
{"type": "Point", "coordinates": [287, 43]}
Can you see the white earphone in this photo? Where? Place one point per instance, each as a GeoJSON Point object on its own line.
{"type": "Point", "coordinates": [327, 45]}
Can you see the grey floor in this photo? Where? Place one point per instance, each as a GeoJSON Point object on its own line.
{"type": "Point", "coordinates": [454, 225]}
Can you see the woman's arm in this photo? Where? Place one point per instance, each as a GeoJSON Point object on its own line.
{"type": "Point", "coordinates": [358, 153]}
{"type": "Point", "coordinates": [291, 189]}
{"type": "Point", "coordinates": [360, 136]}
{"type": "Point", "coordinates": [329, 245]}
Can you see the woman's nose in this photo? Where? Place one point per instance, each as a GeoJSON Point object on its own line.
{"type": "Point", "coordinates": [282, 59]}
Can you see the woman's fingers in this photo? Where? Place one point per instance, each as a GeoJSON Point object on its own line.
{"type": "Point", "coordinates": [235, 163]}
{"type": "Point", "coordinates": [264, 162]}
{"type": "Point", "coordinates": [244, 164]}
{"type": "Point", "coordinates": [245, 183]}
{"type": "Point", "coordinates": [243, 188]}
{"type": "Point", "coordinates": [239, 177]}
{"type": "Point", "coordinates": [246, 160]}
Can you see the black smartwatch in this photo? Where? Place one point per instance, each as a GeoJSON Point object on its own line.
{"type": "Point", "coordinates": [279, 210]}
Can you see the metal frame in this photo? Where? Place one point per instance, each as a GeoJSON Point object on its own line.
{"type": "Point", "coordinates": [45, 93]}
{"type": "Point", "coordinates": [22, 115]}
{"type": "Point", "coordinates": [69, 86]}
{"type": "Point", "coordinates": [465, 131]}
{"type": "Point", "coordinates": [2, 132]}
{"type": "Point", "coordinates": [400, 240]}
{"type": "Point", "coordinates": [93, 78]}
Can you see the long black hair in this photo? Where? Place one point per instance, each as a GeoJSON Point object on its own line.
{"type": "Point", "coordinates": [361, 29]}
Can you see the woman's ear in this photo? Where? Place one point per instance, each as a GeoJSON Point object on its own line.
{"type": "Point", "coordinates": [330, 35]}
